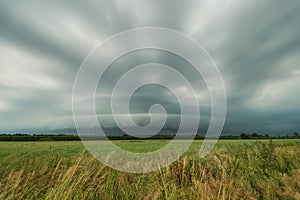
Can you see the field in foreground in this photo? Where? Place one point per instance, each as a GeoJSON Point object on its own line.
{"type": "Point", "coordinates": [233, 170]}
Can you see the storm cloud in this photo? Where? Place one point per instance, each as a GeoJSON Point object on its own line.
{"type": "Point", "coordinates": [255, 44]}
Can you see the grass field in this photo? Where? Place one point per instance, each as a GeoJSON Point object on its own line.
{"type": "Point", "coordinates": [235, 169]}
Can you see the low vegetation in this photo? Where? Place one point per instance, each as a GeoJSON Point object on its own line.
{"type": "Point", "coordinates": [233, 170]}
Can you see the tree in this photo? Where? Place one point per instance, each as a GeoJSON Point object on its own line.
{"type": "Point", "coordinates": [244, 136]}
{"type": "Point", "coordinates": [296, 135]}
{"type": "Point", "coordinates": [255, 135]}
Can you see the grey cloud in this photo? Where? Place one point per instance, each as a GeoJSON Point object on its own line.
{"type": "Point", "coordinates": [255, 44]}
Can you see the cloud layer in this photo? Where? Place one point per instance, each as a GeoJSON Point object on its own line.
{"type": "Point", "coordinates": [256, 45]}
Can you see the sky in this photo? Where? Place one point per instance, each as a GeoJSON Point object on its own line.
{"type": "Point", "coordinates": [255, 44]}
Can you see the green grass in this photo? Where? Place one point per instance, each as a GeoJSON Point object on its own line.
{"type": "Point", "coordinates": [235, 169]}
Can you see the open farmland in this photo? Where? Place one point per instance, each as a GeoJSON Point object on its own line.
{"type": "Point", "coordinates": [235, 169]}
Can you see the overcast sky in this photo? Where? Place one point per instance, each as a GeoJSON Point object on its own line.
{"type": "Point", "coordinates": [256, 45]}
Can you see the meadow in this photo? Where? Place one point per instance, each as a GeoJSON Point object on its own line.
{"type": "Point", "coordinates": [235, 169]}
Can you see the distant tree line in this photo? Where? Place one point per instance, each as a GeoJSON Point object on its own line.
{"type": "Point", "coordinates": [62, 137]}
{"type": "Point", "coordinates": [37, 137]}
{"type": "Point", "coordinates": [266, 136]}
